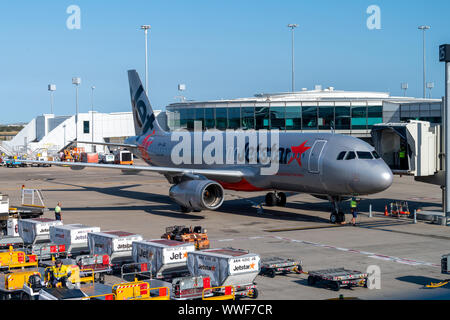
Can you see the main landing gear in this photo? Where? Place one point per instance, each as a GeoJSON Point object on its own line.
{"type": "Point", "coordinates": [276, 199]}
{"type": "Point", "coordinates": [337, 215]}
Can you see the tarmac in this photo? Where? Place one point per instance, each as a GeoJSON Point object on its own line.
{"type": "Point", "coordinates": [407, 254]}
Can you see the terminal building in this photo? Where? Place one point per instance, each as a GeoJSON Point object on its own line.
{"type": "Point", "coordinates": [319, 110]}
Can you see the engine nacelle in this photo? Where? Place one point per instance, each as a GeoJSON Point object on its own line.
{"type": "Point", "coordinates": [198, 194]}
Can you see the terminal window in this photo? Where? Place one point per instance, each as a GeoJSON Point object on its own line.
{"type": "Point", "coordinates": [85, 126]}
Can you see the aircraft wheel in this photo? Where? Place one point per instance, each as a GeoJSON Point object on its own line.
{"type": "Point", "coordinates": [334, 218]}
{"type": "Point", "coordinates": [185, 209]}
{"type": "Point", "coordinates": [281, 201]}
{"type": "Point", "coordinates": [271, 199]}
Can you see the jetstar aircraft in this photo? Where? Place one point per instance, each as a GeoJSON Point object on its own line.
{"type": "Point", "coordinates": [326, 165]}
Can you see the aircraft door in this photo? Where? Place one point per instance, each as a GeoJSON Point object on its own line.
{"type": "Point", "coordinates": [315, 156]}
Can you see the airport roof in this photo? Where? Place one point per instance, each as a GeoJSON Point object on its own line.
{"type": "Point", "coordinates": [318, 94]}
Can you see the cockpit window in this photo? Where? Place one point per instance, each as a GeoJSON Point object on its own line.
{"type": "Point", "coordinates": [350, 156]}
{"type": "Point", "coordinates": [341, 155]}
{"type": "Point", "coordinates": [364, 155]}
{"type": "Point", "coordinates": [376, 155]}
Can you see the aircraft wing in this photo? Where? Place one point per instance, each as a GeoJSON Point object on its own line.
{"type": "Point", "coordinates": [163, 170]}
{"type": "Point", "coordinates": [109, 144]}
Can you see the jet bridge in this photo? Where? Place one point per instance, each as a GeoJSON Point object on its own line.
{"type": "Point", "coordinates": [414, 148]}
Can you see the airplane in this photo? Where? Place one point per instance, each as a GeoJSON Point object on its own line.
{"type": "Point", "coordinates": [329, 166]}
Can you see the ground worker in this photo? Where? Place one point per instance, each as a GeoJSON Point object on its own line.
{"type": "Point", "coordinates": [354, 210]}
{"type": "Point", "coordinates": [59, 273]}
{"type": "Point", "coordinates": [58, 211]}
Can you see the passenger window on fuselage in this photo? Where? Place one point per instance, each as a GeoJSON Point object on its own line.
{"type": "Point", "coordinates": [350, 156]}
{"type": "Point", "coordinates": [341, 155]}
{"type": "Point", "coordinates": [364, 155]}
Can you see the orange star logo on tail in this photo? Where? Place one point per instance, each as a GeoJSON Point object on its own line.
{"type": "Point", "coordinates": [297, 153]}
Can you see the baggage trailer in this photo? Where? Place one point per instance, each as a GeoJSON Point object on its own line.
{"type": "Point", "coordinates": [10, 241]}
{"type": "Point", "coordinates": [273, 266]}
{"type": "Point", "coordinates": [116, 244]}
{"type": "Point", "coordinates": [36, 230]}
{"type": "Point", "coordinates": [12, 284]}
{"type": "Point", "coordinates": [337, 278]}
{"type": "Point", "coordinates": [227, 267]}
{"type": "Point", "coordinates": [73, 236]}
{"type": "Point", "coordinates": [168, 258]}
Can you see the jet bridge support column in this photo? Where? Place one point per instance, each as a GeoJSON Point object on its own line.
{"type": "Point", "coordinates": [444, 56]}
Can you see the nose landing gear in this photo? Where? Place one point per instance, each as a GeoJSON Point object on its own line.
{"type": "Point", "coordinates": [276, 199]}
{"type": "Point", "coordinates": [337, 215]}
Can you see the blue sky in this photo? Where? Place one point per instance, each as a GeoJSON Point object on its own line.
{"type": "Point", "coordinates": [219, 49]}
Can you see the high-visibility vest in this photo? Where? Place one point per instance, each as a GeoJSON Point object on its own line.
{"type": "Point", "coordinates": [353, 203]}
{"type": "Point", "coordinates": [402, 154]}
{"type": "Point", "coordinates": [57, 209]}
{"type": "Point", "coordinates": [59, 272]}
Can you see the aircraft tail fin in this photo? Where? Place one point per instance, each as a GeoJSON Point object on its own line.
{"type": "Point", "coordinates": [144, 119]}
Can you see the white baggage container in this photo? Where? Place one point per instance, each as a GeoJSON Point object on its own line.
{"type": "Point", "coordinates": [73, 236]}
{"type": "Point", "coordinates": [116, 244]}
{"type": "Point", "coordinates": [36, 230]}
{"type": "Point", "coordinates": [12, 227]}
{"type": "Point", "coordinates": [166, 256]}
{"type": "Point", "coordinates": [225, 267]}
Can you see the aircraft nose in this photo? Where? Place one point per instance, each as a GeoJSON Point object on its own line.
{"type": "Point", "coordinates": [373, 179]}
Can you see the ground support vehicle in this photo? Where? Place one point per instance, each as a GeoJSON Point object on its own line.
{"type": "Point", "coordinates": [227, 267]}
{"type": "Point", "coordinates": [273, 266]}
{"type": "Point", "coordinates": [337, 278]}
{"type": "Point", "coordinates": [12, 284]}
{"type": "Point", "coordinates": [12, 259]}
{"type": "Point", "coordinates": [196, 235]}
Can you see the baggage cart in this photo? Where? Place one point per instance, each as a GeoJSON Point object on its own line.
{"type": "Point", "coordinates": [168, 258]}
{"type": "Point", "coordinates": [9, 241]}
{"type": "Point", "coordinates": [73, 236]}
{"type": "Point", "coordinates": [337, 278]}
{"type": "Point", "coordinates": [227, 267]}
{"type": "Point", "coordinates": [273, 266]}
{"type": "Point", "coordinates": [116, 244]}
{"type": "Point", "coordinates": [37, 230]}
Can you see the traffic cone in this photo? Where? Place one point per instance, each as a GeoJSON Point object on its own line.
{"type": "Point", "coordinates": [386, 213]}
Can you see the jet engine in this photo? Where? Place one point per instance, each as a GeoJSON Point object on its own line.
{"type": "Point", "coordinates": [197, 195]}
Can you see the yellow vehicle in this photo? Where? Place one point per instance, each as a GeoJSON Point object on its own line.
{"type": "Point", "coordinates": [17, 259]}
{"type": "Point", "coordinates": [12, 282]}
{"type": "Point", "coordinates": [196, 235]}
{"type": "Point", "coordinates": [136, 290]}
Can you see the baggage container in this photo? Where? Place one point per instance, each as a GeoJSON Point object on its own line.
{"type": "Point", "coordinates": [73, 236]}
{"type": "Point", "coordinates": [167, 257]}
{"type": "Point", "coordinates": [36, 230]}
{"type": "Point", "coordinates": [225, 267]}
{"type": "Point", "coordinates": [116, 244]}
{"type": "Point", "coordinates": [89, 157]}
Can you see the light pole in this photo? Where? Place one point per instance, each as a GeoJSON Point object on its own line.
{"type": "Point", "coordinates": [51, 88]}
{"type": "Point", "coordinates": [146, 27]}
{"type": "Point", "coordinates": [430, 86]}
{"type": "Point", "coordinates": [404, 88]}
{"type": "Point", "coordinates": [424, 28]}
{"type": "Point", "coordinates": [293, 26]}
{"type": "Point", "coordinates": [92, 117]}
{"type": "Point", "coordinates": [76, 82]}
